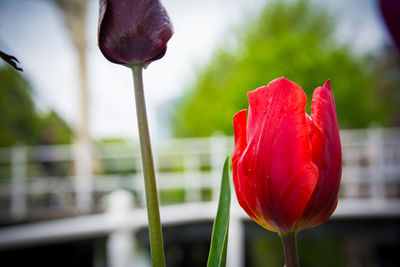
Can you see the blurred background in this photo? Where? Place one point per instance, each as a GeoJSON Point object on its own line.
{"type": "Point", "coordinates": [71, 189]}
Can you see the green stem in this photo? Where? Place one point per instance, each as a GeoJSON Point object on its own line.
{"type": "Point", "coordinates": [153, 213]}
{"type": "Point", "coordinates": [290, 249]}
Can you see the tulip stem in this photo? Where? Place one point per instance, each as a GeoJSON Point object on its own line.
{"type": "Point", "coordinates": [153, 212]}
{"type": "Point", "coordinates": [290, 249]}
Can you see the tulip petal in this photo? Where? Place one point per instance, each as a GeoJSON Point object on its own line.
{"type": "Point", "coordinates": [279, 141]}
{"type": "Point", "coordinates": [390, 10]}
{"type": "Point", "coordinates": [239, 125]}
{"type": "Point", "coordinates": [249, 195]}
{"type": "Point", "coordinates": [326, 154]}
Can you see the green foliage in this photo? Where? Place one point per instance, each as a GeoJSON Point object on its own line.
{"type": "Point", "coordinates": [266, 250]}
{"type": "Point", "coordinates": [328, 251]}
{"type": "Point", "coordinates": [315, 249]}
{"type": "Point", "coordinates": [219, 238]}
{"type": "Point", "coordinates": [172, 196]}
{"type": "Point", "coordinates": [19, 121]}
{"type": "Point", "coordinates": [293, 39]}
{"type": "Point", "coordinates": [51, 123]}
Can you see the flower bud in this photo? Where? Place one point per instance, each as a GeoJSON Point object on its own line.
{"type": "Point", "coordinates": [391, 13]}
{"type": "Point", "coordinates": [287, 164]}
{"type": "Point", "coordinates": [133, 31]}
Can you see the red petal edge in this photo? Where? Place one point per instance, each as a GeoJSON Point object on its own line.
{"type": "Point", "coordinates": [247, 190]}
{"type": "Point", "coordinates": [326, 154]}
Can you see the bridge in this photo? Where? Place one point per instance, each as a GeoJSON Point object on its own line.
{"type": "Point", "coordinates": [39, 190]}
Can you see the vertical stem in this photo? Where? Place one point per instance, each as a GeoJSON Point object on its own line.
{"type": "Point", "coordinates": [153, 213]}
{"type": "Point", "coordinates": [290, 249]}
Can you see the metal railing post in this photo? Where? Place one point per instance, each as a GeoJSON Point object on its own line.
{"type": "Point", "coordinates": [218, 153]}
{"type": "Point", "coordinates": [236, 240]}
{"type": "Point", "coordinates": [120, 243]}
{"type": "Point", "coordinates": [376, 170]}
{"type": "Point", "coordinates": [18, 182]}
{"type": "Point", "coordinates": [84, 176]}
{"type": "Point", "coordinates": [192, 183]}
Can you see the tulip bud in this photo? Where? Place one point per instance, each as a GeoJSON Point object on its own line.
{"type": "Point", "coordinates": [286, 163]}
{"type": "Point", "coordinates": [391, 13]}
{"type": "Point", "coordinates": [133, 31]}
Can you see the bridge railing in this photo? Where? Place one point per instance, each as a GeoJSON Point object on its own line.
{"type": "Point", "coordinates": [39, 182]}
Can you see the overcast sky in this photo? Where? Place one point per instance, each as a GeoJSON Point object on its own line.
{"type": "Point", "coordinates": [34, 32]}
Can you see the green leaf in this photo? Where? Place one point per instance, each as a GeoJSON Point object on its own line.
{"type": "Point", "coordinates": [219, 238]}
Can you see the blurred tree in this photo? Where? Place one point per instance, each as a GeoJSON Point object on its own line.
{"type": "Point", "coordinates": [294, 39]}
{"type": "Point", "coordinates": [19, 121]}
{"type": "Point", "coordinates": [53, 129]}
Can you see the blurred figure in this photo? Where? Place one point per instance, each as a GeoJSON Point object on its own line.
{"type": "Point", "coordinates": [48, 166]}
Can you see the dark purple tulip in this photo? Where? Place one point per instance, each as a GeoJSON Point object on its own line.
{"type": "Point", "coordinates": [133, 31]}
{"type": "Point", "coordinates": [391, 13]}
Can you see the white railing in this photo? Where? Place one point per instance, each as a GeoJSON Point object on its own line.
{"type": "Point", "coordinates": [370, 187]}
{"type": "Point", "coordinates": [38, 182]}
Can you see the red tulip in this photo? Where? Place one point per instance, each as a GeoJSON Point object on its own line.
{"type": "Point", "coordinates": [133, 31]}
{"type": "Point", "coordinates": [286, 163]}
